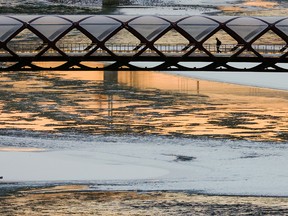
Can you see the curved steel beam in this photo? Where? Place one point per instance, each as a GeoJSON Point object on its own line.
{"type": "Point", "coordinates": [26, 41]}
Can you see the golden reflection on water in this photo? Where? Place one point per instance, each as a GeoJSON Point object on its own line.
{"type": "Point", "coordinates": [140, 102]}
{"type": "Point", "coordinates": [260, 3]}
{"type": "Point", "coordinates": [249, 6]}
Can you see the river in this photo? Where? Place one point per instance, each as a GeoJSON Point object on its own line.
{"type": "Point", "coordinates": [145, 130]}
{"type": "Point", "coordinates": [134, 7]}
{"type": "Point", "coordinates": [141, 130]}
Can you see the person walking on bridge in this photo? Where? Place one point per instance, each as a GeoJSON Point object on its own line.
{"type": "Point", "coordinates": [218, 44]}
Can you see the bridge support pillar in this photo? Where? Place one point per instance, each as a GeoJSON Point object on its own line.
{"type": "Point", "coordinates": [110, 77]}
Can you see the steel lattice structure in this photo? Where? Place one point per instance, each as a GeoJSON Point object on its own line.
{"type": "Point", "coordinates": [143, 42]}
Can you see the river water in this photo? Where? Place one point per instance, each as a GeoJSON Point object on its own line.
{"type": "Point", "coordinates": [139, 103]}
{"type": "Point", "coordinates": [134, 7]}
{"type": "Point", "coordinates": [143, 130]}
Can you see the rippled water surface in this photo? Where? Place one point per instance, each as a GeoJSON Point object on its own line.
{"type": "Point", "coordinates": [135, 7]}
{"type": "Point", "coordinates": [139, 103]}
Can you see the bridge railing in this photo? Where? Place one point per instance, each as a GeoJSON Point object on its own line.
{"type": "Point", "coordinates": [30, 48]}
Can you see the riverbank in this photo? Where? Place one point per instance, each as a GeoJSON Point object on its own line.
{"type": "Point", "coordinates": [69, 200]}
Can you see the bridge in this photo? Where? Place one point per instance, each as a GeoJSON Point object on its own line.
{"type": "Point", "coordinates": [185, 43]}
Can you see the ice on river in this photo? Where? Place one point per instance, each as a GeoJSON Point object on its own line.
{"type": "Point", "coordinates": [272, 80]}
{"type": "Point", "coordinates": [149, 163]}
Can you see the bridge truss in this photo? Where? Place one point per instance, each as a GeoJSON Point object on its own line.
{"type": "Point", "coordinates": [185, 43]}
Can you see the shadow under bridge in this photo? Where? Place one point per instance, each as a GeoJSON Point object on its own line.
{"type": "Point", "coordinates": [101, 42]}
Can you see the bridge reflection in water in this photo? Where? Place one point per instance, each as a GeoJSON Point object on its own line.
{"type": "Point", "coordinates": [139, 102]}
{"type": "Point", "coordinates": [143, 42]}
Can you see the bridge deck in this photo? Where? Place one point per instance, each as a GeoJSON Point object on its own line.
{"type": "Point", "coordinates": [128, 49]}
{"type": "Point", "coordinates": [124, 54]}
{"type": "Point", "coordinates": [177, 50]}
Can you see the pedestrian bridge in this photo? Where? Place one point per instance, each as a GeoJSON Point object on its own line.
{"type": "Point", "coordinates": [143, 43]}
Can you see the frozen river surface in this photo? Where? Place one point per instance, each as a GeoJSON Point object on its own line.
{"type": "Point", "coordinates": [271, 80]}
{"type": "Point", "coordinates": [148, 163]}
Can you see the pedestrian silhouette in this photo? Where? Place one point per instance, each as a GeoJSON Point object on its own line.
{"type": "Point", "coordinates": [218, 44]}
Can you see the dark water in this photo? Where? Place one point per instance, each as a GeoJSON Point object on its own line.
{"type": "Point", "coordinates": [139, 103]}
{"type": "Point", "coordinates": [135, 7]}
{"type": "Point", "coordinates": [129, 7]}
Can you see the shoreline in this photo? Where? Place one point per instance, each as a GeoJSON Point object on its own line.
{"type": "Point", "coordinates": [61, 201]}
{"type": "Point", "coordinates": [70, 187]}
